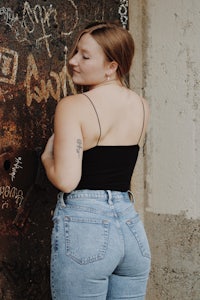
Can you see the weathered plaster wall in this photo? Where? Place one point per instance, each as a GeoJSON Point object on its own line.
{"type": "Point", "coordinates": [174, 242]}
{"type": "Point", "coordinates": [172, 71]}
{"type": "Point", "coordinates": [168, 68]}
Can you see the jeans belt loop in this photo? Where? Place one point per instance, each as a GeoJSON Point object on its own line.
{"type": "Point", "coordinates": [131, 196]}
{"type": "Point", "coordinates": [62, 197]}
{"type": "Point", "coordinates": [109, 196]}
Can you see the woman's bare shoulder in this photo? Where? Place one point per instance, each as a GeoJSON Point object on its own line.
{"type": "Point", "coordinates": [142, 100]}
{"type": "Point", "coordinates": [70, 102]}
{"type": "Point", "coordinates": [71, 99]}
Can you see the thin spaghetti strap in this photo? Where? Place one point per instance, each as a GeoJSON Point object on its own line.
{"type": "Point", "coordinates": [97, 118]}
{"type": "Point", "coordinates": [142, 121]}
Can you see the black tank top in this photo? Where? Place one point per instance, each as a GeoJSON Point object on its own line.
{"type": "Point", "coordinates": [108, 167]}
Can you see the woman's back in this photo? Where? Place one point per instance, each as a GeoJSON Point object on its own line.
{"type": "Point", "coordinates": [112, 121]}
{"type": "Point", "coordinates": [114, 115]}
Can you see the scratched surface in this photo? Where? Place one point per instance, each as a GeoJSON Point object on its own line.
{"type": "Point", "coordinates": [35, 37]}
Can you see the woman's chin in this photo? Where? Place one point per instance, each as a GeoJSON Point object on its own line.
{"type": "Point", "coordinates": [76, 81]}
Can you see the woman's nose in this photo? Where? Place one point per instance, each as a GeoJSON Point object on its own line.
{"type": "Point", "coordinates": [73, 61]}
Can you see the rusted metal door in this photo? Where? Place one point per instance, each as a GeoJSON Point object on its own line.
{"type": "Point", "coordinates": [35, 37]}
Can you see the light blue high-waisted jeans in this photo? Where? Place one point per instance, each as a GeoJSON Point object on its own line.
{"type": "Point", "coordinates": [99, 247]}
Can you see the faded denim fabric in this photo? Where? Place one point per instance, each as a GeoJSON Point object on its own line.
{"type": "Point", "coordinates": [99, 248]}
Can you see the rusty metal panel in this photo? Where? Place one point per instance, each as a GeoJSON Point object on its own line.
{"type": "Point", "coordinates": [35, 37]}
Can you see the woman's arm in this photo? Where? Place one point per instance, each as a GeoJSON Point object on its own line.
{"type": "Point", "coordinates": [62, 157]}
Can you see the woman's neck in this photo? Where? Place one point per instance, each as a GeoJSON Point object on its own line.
{"type": "Point", "coordinates": [106, 83]}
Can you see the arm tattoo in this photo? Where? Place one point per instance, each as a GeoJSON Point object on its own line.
{"type": "Point", "coordinates": [79, 147]}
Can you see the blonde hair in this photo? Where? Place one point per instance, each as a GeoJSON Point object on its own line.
{"type": "Point", "coordinates": [116, 43]}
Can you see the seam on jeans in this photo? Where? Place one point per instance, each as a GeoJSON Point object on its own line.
{"type": "Point", "coordinates": [88, 209]}
{"type": "Point", "coordinates": [144, 249]}
{"type": "Point", "coordinates": [96, 211]}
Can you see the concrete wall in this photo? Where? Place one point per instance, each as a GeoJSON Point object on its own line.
{"type": "Point", "coordinates": [167, 72]}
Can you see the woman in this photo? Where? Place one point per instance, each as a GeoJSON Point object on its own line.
{"type": "Point", "coordinates": [99, 247]}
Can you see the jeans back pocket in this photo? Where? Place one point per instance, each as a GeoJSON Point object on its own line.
{"type": "Point", "coordinates": [86, 238]}
{"type": "Point", "coordinates": [137, 228]}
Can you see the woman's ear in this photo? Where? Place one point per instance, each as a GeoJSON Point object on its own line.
{"type": "Point", "coordinates": [112, 68]}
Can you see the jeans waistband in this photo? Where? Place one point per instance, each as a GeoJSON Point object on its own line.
{"type": "Point", "coordinates": [97, 194]}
